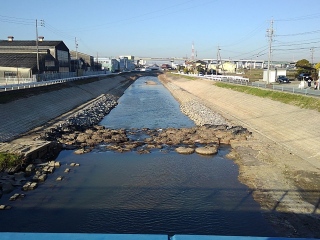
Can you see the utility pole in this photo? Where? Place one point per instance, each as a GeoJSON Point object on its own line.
{"type": "Point", "coordinates": [76, 43]}
{"type": "Point", "coordinates": [77, 62]}
{"type": "Point", "coordinates": [219, 57]}
{"type": "Point", "coordinates": [270, 36]}
{"type": "Point", "coordinates": [37, 44]}
{"type": "Point", "coordinates": [192, 52]}
{"type": "Point", "coordinates": [312, 52]}
{"type": "Point", "coordinates": [97, 61]}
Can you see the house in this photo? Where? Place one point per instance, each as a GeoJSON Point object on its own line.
{"type": "Point", "coordinates": [57, 49]}
{"type": "Point", "coordinates": [226, 67]}
{"type": "Point", "coordinates": [166, 66]}
{"type": "Point", "coordinates": [196, 66]}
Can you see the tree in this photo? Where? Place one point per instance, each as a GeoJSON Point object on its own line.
{"type": "Point", "coordinates": [317, 66]}
{"type": "Point", "coordinates": [304, 66]}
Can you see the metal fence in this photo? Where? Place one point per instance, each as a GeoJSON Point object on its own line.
{"type": "Point", "coordinates": [292, 88]}
{"type": "Point", "coordinates": [67, 78]}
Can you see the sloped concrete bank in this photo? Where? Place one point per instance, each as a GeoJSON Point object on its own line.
{"type": "Point", "coordinates": [285, 184]}
{"type": "Point", "coordinates": [28, 112]}
{"type": "Point", "coordinates": [23, 114]}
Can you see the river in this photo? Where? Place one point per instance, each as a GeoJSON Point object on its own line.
{"type": "Point", "coordinates": [156, 193]}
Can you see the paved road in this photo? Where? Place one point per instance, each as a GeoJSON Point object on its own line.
{"type": "Point", "coordinates": [292, 127]}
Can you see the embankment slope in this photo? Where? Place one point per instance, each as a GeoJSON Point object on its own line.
{"type": "Point", "coordinates": [280, 162]}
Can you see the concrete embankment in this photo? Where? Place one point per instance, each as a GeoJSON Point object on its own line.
{"type": "Point", "coordinates": [39, 107]}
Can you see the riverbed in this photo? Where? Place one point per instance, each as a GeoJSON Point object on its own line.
{"type": "Point", "coordinates": [161, 192]}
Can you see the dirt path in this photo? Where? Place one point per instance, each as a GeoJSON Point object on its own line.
{"type": "Point", "coordinates": [280, 162]}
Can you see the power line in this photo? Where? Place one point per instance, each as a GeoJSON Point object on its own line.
{"type": "Point", "coordinates": [306, 17]}
{"type": "Point", "coordinates": [15, 20]}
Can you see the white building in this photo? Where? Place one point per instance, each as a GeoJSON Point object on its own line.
{"type": "Point", "coordinates": [273, 74]}
{"type": "Point", "coordinates": [108, 64]}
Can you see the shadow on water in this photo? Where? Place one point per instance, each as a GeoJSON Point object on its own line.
{"type": "Point", "coordinates": [129, 193]}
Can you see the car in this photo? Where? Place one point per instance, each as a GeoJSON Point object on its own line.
{"type": "Point", "coordinates": [304, 76]}
{"type": "Point", "coordinates": [283, 79]}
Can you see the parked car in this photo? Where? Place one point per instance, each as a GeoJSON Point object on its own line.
{"type": "Point", "coordinates": [283, 79]}
{"type": "Point", "coordinates": [304, 76]}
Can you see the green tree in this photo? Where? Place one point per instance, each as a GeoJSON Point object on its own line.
{"type": "Point", "coordinates": [317, 66]}
{"type": "Point", "coordinates": [304, 66]}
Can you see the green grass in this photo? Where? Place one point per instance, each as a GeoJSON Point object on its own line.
{"type": "Point", "coordinates": [288, 98]}
{"type": "Point", "coordinates": [172, 75]}
{"type": "Point", "coordinates": [9, 160]}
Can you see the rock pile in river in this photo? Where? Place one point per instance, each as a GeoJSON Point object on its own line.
{"type": "Point", "coordinates": [208, 137]}
{"type": "Point", "coordinates": [80, 132]}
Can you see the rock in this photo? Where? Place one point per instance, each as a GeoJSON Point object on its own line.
{"type": "Point", "coordinates": [5, 207]}
{"type": "Point", "coordinates": [40, 177]}
{"type": "Point", "coordinates": [207, 150]}
{"type": "Point", "coordinates": [79, 151]}
{"type": "Point", "coordinates": [151, 82]}
{"type": "Point", "coordinates": [16, 196]}
{"type": "Point", "coordinates": [30, 168]}
{"type": "Point", "coordinates": [59, 178]}
{"type": "Point", "coordinates": [48, 169]}
{"type": "Point", "coordinates": [184, 150]}
{"type": "Point", "coordinates": [74, 164]}
{"type": "Point", "coordinates": [29, 186]}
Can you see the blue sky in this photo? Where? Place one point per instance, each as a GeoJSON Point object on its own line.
{"type": "Point", "coordinates": [167, 28]}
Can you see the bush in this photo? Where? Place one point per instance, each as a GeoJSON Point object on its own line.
{"type": "Point", "coordinates": [9, 160]}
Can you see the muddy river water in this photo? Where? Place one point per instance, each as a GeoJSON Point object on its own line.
{"type": "Point", "coordinates": [160, 193]}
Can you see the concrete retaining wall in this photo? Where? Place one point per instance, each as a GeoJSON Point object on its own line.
{"type": "Point", "coordinates": [24, 114]}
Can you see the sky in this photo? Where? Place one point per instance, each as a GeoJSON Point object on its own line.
{"type": "Point", "coordinates": [169, 28]}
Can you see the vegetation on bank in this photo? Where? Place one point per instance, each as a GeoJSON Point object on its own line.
{"type": "Point", "coordinates": [301, 101]}
{"type": "Point", "coordinates": [8, 160]}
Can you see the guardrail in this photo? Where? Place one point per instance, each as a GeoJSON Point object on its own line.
{"type": "Point", "coordinates": [245, 81]}
{"type": "Point", "coordinates": [11, 87]}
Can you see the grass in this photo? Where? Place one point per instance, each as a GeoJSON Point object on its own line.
{"type": "Point", "coordinates": [172, 75]}
{"type": "Point", "coordinates": [9, 160]}
{"type": "Point", "coordinates": [288, 98]}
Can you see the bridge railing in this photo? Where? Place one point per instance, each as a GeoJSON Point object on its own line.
{"type": "Point", "coordinates": [95, 236]}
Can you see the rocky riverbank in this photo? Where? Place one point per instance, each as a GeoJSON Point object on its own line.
{"type": "Point", "coordinates": [78, 130]}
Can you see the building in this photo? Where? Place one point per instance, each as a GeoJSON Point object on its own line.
{"type": "Point", "coordinates": [24, 65]}
{"type": "Point", "coordinates": [41, 49]}
{"type": "Point", "coordinates": [273, 74]}
{"type": "Point", "coordinates": [108, 64]}
{"type": "Point", "coordinates": [126, 63]}
{"type": "Point", "coordinates": [81, 61]}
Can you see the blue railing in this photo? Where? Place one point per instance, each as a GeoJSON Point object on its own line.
{"type": "Point", "coordinates": [87, 236]}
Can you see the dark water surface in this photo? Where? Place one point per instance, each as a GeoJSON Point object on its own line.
{"type": "Point", "coordinates": [158, 193]}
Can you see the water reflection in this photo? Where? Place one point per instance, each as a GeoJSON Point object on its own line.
{"type": "Point", "coordinates": [146, 106]}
